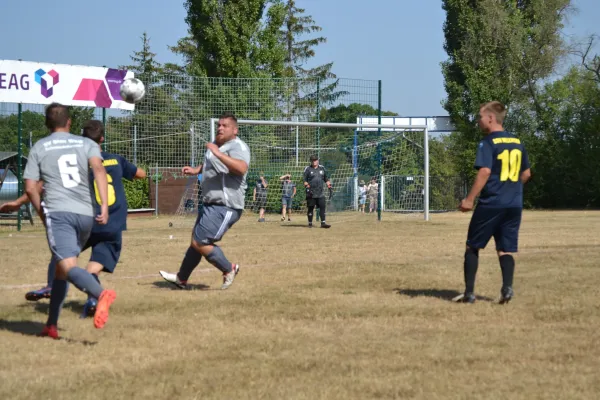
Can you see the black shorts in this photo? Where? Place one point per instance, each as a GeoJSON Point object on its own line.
{"type": "Point", "coordinates": [316, 202]}
{"type": "Point", "coordinates": [106, 249]}
{"type": "Point", "coordinates": [501, 223]}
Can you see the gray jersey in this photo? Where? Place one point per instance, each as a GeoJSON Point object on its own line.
{"type": "Point", "coordinates": [218, 185]}
{"type": "Point", "coordinates": [61, 160]}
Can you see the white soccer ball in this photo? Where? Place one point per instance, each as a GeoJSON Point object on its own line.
{"type": "Point", "coordinates": [132, 90]}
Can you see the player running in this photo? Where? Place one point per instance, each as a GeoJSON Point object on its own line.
{"type": "Point", "coordinates": [503, 168]}
{"type": "Point", "coordinates": [105, 240]}
{"type": "Point", "coordinates": [61, 161]}
{"type": "Point", "coordinates": [223, 189]}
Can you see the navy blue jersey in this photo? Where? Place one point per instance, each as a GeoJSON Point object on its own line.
{"type": "Point", "coordinates": [117, 169]}
{"type": "Point", "coordinates": [506, 156]}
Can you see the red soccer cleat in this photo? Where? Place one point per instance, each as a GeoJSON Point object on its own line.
{"type": "Point", "coordinates": [106, 299]}
{"type": "Point", "coordinates": [50, 331]}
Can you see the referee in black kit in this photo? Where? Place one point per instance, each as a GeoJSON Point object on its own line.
{"type": "Point", "coordinates": [315, 180]}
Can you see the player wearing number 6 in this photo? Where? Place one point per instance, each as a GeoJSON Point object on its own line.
{"type": "Point", "coordinates": [105, 240]}
{"type": "Point", "coordinates": [61, 161]}
{"type": "Point", "coordinates": [503, 168]}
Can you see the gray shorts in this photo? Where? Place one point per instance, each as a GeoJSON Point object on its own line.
{"type": "Point", "coordinates": [213, 222]}
{"type": "Point", "coordinates": [286, 201]}
{"type": "Point", "coordinates": [67, 233]}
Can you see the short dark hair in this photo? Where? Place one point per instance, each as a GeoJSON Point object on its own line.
{"type": "Point", "coordinates": [57, 116]}
{"type": "Point", "coordinates": [229, 115]}
{"type": "Point", "coordinates": [314, 158]}
{"type": "Point", "coordinates": [93, 129]}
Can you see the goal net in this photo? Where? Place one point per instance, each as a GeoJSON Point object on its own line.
{"type": "Point", "coordinates": [384, 167]}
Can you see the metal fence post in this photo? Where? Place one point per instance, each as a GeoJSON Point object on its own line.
{"type": "Point", "coordinates": [379, 163]}
{"type": "Point", "coordinates": [19, 161]}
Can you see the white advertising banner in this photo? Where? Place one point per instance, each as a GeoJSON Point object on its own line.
{"type": "Point", "coordinates": [72, 85]}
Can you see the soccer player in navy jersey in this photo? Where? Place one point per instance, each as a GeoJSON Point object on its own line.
{"type": "Point", "coordinates": [503, 168]}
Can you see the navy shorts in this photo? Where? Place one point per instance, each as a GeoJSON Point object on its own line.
{"type": "Point", "coordinates": [286, 201]}
{"type": "Point", "coordinates": [213, 222]}
{"type": "Point", "coordinates": [67, 233]}
{"type": "Point", "coordinates": [501, 223]}
{"type": "Point", "coordinates": [106, 249]}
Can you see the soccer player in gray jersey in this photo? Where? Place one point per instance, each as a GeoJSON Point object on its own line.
{"type": "Point", "coordinates": [223, 190]}
{"type": "Point", "coordinates": [61, 161]}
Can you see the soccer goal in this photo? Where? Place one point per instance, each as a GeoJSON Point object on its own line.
{"type": "Point", "coordinates": [353, 154]}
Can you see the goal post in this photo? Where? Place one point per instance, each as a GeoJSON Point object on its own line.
{"type": "Point", "coordinates": [392, 143]}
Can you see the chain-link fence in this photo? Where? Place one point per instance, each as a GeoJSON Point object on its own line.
{"type": "Point", "coordinates": [170, 127]}
{"type": "Point", "coordinates": [20, 127]}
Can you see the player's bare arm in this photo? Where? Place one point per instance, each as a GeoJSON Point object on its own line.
{"type": "Point", "coordinates": [235, 166]}
{"type": "Point", "coordinates": [187, 170]}
{"type": "Point", "coordinates": [102, 183]}
{"type": "Point", "coordinates": [480, 180]}
{"type": "Point", "coordinates": [525, 176]}
{"type": "Point", "coordinates": [34, 194]}
{"type": "Point", "coordinates": [16, 204]}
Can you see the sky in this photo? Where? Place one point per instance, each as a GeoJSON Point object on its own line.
{"type": "Point", "coordinates": [397, 41]}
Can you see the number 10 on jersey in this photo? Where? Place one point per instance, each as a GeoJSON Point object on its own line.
{"type": "Point", "coordinates": [511, 165]}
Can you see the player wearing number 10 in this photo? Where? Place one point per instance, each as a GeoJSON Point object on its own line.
{"type": "Point", "coordinates": [503, 168]}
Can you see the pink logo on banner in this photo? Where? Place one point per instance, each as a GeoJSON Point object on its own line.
{"type": "Point", "coordinates": [95, 89]}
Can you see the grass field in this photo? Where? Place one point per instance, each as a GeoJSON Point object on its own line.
{"type": "Point", "coordinates": [360, 311]}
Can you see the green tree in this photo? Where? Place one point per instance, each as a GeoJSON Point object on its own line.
{"type": "Point", "coordinates": [300, 49]}
{"type": "Point", "coordinates": [233, 39]}
{"type": "Point", "coordinates": [498, 50]}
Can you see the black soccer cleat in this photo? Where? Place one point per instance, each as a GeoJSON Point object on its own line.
{"type": "Point", "coordinates": [325, 225]}
{"type": "Point", "coordinates": [468, 298]}
{"type": "Point", "coordinates": [506, 294]}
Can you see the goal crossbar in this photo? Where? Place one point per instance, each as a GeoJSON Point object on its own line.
{"type": "Point", "coordinates": [388, 127]}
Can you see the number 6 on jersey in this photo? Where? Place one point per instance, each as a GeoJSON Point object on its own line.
{"type": "Point", "coordinates": [69, 170]}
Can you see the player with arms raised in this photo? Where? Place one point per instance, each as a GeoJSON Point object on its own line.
{"type": "Point", "coordinates": [61, 162]}
{"type": "Point", "coordinates": [503, 168]}
{"type": "Point", "coordinates": [223, 190]}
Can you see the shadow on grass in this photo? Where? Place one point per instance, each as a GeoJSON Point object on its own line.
{"type": "Point", "coordinates": [33, 328]}
{"type": "Point", "coordinates": [190, 286]}
{"type": "Point", "coordinates": [443, 294]}
{"type": "Point", "coordinates": [297, 226]}
{"type": "Point", "coordinates": [44, 306]}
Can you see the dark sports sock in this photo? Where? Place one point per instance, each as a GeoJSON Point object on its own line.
{"type": "Point", "coordinates": [218, 259]}
{"type": "Point", "coordinates": [95, 276]}
{"type": "Point", "coordinates": [51, 271]}
{"type": "Point", "coordinates": [507, 264]}
{"type": "Point", "coordinates": [57, 298]}
{"type": "Point", "coordinates": [310, 212]}
{"type": "Point", "coordinates": [322, 208]}
{"type": "Point", "coordinates": [190, 261]}
{"type": "Point", "coordinates": [84, 281]}
{"type": "Point", "coordinates": [470, 269]}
